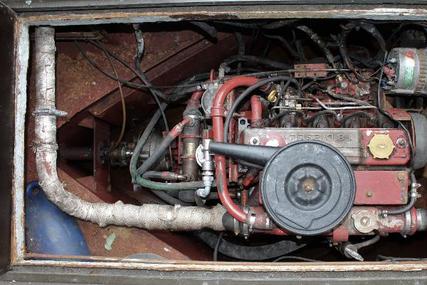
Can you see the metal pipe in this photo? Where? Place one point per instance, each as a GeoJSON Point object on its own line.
{"type": "Point", "coordinates": [413, 196]}
{"type": "Point", "coordinates": [256, 111]}
{"type": "Point", "coordinates": [164, 145]}
{"type": "Point", "coordinates": [217, 113]}
{"type": "Point", "coordinates": [76, 153]}
{"type": "Point", "coordinates": [164, 175]}
{"type": "Point", "coordinates": [191, 135]}
{"type": "Point", "coordinates": [152, 217]}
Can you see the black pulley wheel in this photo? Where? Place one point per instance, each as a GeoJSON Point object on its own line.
{"type": "Point", "coordinates": [308, 188]}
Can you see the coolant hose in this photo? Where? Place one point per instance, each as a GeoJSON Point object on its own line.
{"type": "Point", "coordinates": [148, 216]}
{"type": "Point", "coordinates": [248, 92]}
{"type": "Point", "coordinates": [142, 140]}
{"type": "Point", "coordinates": [163, 146]}
{"type": "Point", "coordinates": [217, 114]}
{"type": "Point", "coordinates": [250, 253]}
{"type": "Point", "coordinates": [138, 177]}
{"type": "Point", "coordinates": [162, 186]}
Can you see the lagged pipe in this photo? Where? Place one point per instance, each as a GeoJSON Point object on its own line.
{"type": "Point", "coordinates": [152, 217]}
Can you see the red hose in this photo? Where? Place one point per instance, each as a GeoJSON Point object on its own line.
{"type": "Point", "coordinates": [256, 110]}
{"type": "Point", "coordinates": [177, 129]}
{"type": "Point", "coordinates": [196, 96]}
{"type": "Point", "coordinates": [217, 114]}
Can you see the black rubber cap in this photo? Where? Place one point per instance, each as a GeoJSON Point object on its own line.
{"type": "Point", "coordinates": [308, 188]}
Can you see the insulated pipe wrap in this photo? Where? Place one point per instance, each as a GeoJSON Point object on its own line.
{"type": "Point", "coordinates": [149, 216]}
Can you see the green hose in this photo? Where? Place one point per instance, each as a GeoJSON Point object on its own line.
{"type": "Point", "coordinates": [161, 186]}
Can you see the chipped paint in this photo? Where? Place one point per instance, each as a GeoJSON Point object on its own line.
{"type": "Point", "coordinates": [22, 58]}
{"type": "Point", "coordinates": [236, 266]}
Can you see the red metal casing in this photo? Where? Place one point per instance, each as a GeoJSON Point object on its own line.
{"type": "Point", "coordinates": [353, 143]}
{"type": "Point", "coordinates": [381, 187]}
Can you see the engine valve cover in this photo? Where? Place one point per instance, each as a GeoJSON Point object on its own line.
{"type": "Point", "coordinates": [352, 143]}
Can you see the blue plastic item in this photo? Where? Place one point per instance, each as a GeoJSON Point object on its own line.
{"type": "Point", "coordinates": [48, 229]}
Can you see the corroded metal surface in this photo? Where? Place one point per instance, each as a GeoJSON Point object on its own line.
{"type": "Point", "coordinates": [7, 129]}
{"type": "Point", "coordinates": [21, 65]}
{"type": "Point", "coordinates": [242, 266]}
{"type": "Point", "coordinates": [77, 79]}
{"type": "Point", "coordinates": [128, 277]}
{"type": "Point", "coordinates": [383, 12]}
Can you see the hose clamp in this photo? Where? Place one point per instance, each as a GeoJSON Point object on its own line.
{"type": "Point", "coordinates": [50, 112]}
{"type": "Point", "coordinates": [407, 228]}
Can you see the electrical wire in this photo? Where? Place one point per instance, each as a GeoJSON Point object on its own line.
{"type": "Point", "coordinates": [413, 196]}
{"type": "Point", "coordinates": [255, 60]}
{"type": "Point", "coordinates": [100, 69]}
{"type": "Point", "coordinates": [342, 44]}
{"type": "Point", "coordinates": [140, 44]}
{"type": "Point", "coordinates": [381, 257]}
{"type": "Point", "coordinates": [363, 114]}
{"type": "Point", "coordinates": [317, 40]}
{"type": "Point", "coordinates": [249, 251]}
{"type": "Point", "coordinates": [344, 97]}
{"type": "Point", "coordinates": [324, 106]}
{"type": "Point", "coordinates": [218, 242]}
{"type": "Point", "coordinates": [284, 43]}
{"type": "Point", "coordinates": [130, 83]}
{"type": "Point", "coordinates": [292, 257]}
{"type": "Point", "coordinates": [247, 92]}
{"type": "Point", "coordinates": [141, 76]}
{"type": "Point", "coordinates": [387, 115]}
{"type": "Point", "coordinates": [122, 99]}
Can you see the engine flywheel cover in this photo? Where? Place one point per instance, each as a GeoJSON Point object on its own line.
{"type": "Point", "coordinates": [308, 187]}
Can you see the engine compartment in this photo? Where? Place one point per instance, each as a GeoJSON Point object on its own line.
{"type": "Point", "coordinates": [255, 140]}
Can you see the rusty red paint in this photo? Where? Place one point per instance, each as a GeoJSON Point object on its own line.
{"type": "Point", "coordinates": [177, 129]}
{"type": "Point", "coordinates": [78, 79]}
{"type": "Point", "coordinates": [340, 234]}
{"type": "Point", "coordinates": [250, 177]}
{"type": "Point", "coordinates": [178, 66]}
{"type": "Point", "coordinates": [311, 70]}
{"type": "Point", "coordinates": [390, 189]}
{"type": "Point", "coordinates": [256, 110]}
{"type": "Point", "coordinates": [101, 170]}
{"type": "Point", "coordinates": [401, 154]}
{"type": "Point", "coordinates": [414, 225]}
{"type": "Point", "coordinates": [410, 54]}
{"type": "Point", "coordinates": [217, 113]}
{"type": "Point", "coordinates": [399, 114]}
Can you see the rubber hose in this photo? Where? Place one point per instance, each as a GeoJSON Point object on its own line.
{"type": "Point", "coordinates": [246, 93]}
{"type": "Point", "coordinates": [170, 199]}
{"type": "Point", "coordinates": [155, 157]}
{"type": "Point", "coordinates": [168, 186]}
{"type": "Point", "coordinates": [257, 60]}
{"type": "Point", "coordinates": [142, 140]}
{"type": "Point", "coordinates": [250, 253]}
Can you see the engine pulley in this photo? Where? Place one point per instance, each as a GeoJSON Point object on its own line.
{"type": "Point", "coordinates": [308, 187]}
